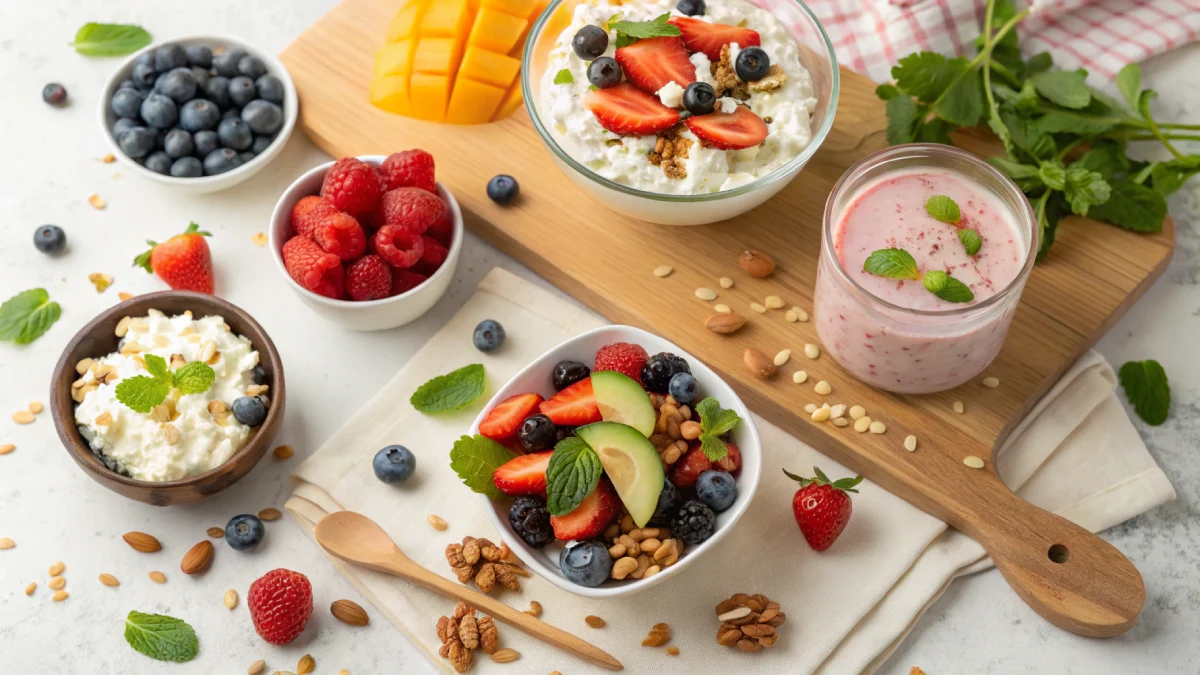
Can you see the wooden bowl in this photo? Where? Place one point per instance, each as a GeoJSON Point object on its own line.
{"type": "Point", "coordinates": [98, 339]}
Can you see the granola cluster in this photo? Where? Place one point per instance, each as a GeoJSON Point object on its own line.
{"type": "Point", "coordinates": [749, 622]}
{"type": "Point", "coordinates": [670, 150]}
{"type": "Point", "coordinates": [673, 429]}
{"type": "Point", "coordinates": [729, 84]}
{"type": "Point", "coordinates": [463, 633]}
{"type": "Point", "coordinates": [484, 562]}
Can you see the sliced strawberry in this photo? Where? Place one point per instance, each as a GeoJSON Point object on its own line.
{"type": "Point", "coordinates": [524, 475]}
{"type": "Point", "coordinates": [573, 406]}
{"type": "Point", "coordinates": [589, 519]}
{"type": "Point", "coordinates": [653, 62]}
{"type": "Point", "coordinates": [702, 36]}
{"type": "Point", "coordinates": [729, 131]}
{"type": "Point", "coordinates": [625, 109]}
{"type": "Point", "coordinates": [502, 422]}
{"type": "Point", "coordinates": [687, 470]}
{"type": "Point", "coordinates": [730, 463]}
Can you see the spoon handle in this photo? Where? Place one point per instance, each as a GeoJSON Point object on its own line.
{"type": "Point", "coordinates": [407, 569]}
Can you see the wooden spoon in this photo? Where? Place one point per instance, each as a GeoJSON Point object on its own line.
{"type": "Point", "coordinates": [355, 538]}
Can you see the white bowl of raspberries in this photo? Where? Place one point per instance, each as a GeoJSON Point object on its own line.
{"type": "Point", "coordinates": [368, 242]}
{"type": "Point", "coordinates": [619, 459]}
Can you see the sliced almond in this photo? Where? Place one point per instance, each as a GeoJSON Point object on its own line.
{"type": "Point", "coordinates": [706, 294]}
{"type": "Point", "coordinates": [109, 580]}
{"type": "Point", "coordinates": [57, 583]}
{"type": "Point", "coordinates": [231, 599]}
{"type": "Point", "coordinates": [663, 271]}
{"type": "Point", "coordinates": [437, 522]}
{"type": "Point", "coordinates": [6, 543]}
{"type": "Point", "coordinates": [306, 665]}
{"type": "Point", "coordinates": [256, 667]}
{"type": "Point", "coordinates": [505, 655]}
{"type": "Point", "coordinates": [59, 596]}
{"type": "Point", "coordinates": [56, 569]}
{"type": "Point", "coordinates": [158, 577]}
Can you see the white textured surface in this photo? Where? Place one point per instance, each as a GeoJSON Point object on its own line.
{"type": "Point", "coordinates": [54, 512]}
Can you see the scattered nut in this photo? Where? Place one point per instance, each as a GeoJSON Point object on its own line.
{"type": "Point", "coordinates": [820, 414]}
{"type": "Point", "coordinates": [30, 588]}
{"type": "Point", "coordinates": [256, 667]}
{"type": "Point", "coordinates": [57, 583]}
{"type": "Point", "coordinates": [857, 412]}
{"type": "Point", "coordinates": [59, 596]}
{"type": "Point", "coordinates": [724, 324]}
{"type": "Point", "coordinates": [7, 448]}
{"type": "Point", "coordinates": [663, 271]}
{"type": "Point", "coordinates": [910, 443]}
{"type": "Point", "coordinates": [878, 427]}
{"type": "Point", "coordinates": [973, 462]}
{"type": "Point", "coordinates": [158, 577]}
{"type": "Point", "coordinates": [123, 296]}
{"type": "Point", "coordinates": [6, 543]}
{"type": "Point", "coordinates": [594, 621]}
{"type": "Point", "coordinates": [23, 417]}
{"type": "Point", "coordinates": [790, 316]}
{"type": "Point", "coordinates": [672, 651]}
{"type": "Point", "coordinates": [991, 382]}
{"type": "Point", "coordinates": [773, 302]}
{"type": "Point", "coordinates": [97, 202]}
{"type": "Point", "coordinates": [56, 569]}
{"type": "Point", "coordinates": [349, 612]}
{"type": "Point", "coordinates": [782, 357]}
{"type": "Point", "coordinates": [36, 407]}
{"type": "Point", "coordinates": [283, 452]}
{"type": "Point", "coordinates": [758, 363]}
{"type": "Point", "coordinates": [231, 599]}
{"type": "Point", "coordinates": [801, 315]}
{"type": "Point", "coordinates": [706, 294]}
{"type": "Point", "coordinates": [215, 532]}
{"type": "Point", "coordinates": [756, 263]}
{"type": "Point", "coordinates": [306, 665]}
{"type": "Point", "coordinates": [725, 282]}
{"type": "Point", "coordinates": [862, 424]}
{"type": "Point", "coordinates": [758, 308]}
{"type": "Point", "coordinates": [841, 422]}
{"type": "Point", "coordinates": [505, 656]}
{"type": "Point", "coordinates": [722, 309]}
{"type": "Point", "coordinates": [812, 351]}
{"type": "Point", "coordinates": [958, 407]}
{"type": "Point", "coordinates": [823, 388]}
{"type": "Point", "coordinates": [140, 541]}
{"type": "Point", "coordinates": [659, 635]}
{"type": "Point", "coordinates": [810, 408]}
{"type": "Point", "coordinates": [259, 238]}
{"type": "Point", "coordinates": [749, 622]}
{"type": "Point", "coordinates": [269, 514]}
{"type": "Point", "coordinates": [799, 377]}
{"type": "Point", "coordinates": [535, 609]}
{"type": "Point", "coordinates": [837, 411]}
{"type": "Point", "coordinates": [109, 580]}
{"type": "Point", "coordinates": [198, 558]}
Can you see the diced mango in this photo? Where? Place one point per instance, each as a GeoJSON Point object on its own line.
{"type": "Point", "coordinates": [435, 56]}
{"type": "Point", "coordinates": [473, 102]}
{"type": "Point", "coordinates": [496, 31]}
{"type": "Point", "coordinates": [428, 96]}
{"type": "Point", "coordinates": [447, 18]}
{"type": "Point", "coordinates": [484, 66]}
{"type": "Point", "coordinates": [390, 93]}
{"type": "Point", "coordinates": [512, 100]}
{"type": "Point", "coordinates": [521, 8]}
{"type": "Point", "coordinates": [395, 58]}
{"type": "Point", "coordinates": [403, 25]}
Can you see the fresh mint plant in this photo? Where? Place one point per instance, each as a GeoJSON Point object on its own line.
{"type": "Point", "coordinates": [450, 391]}
{"type": "Point", "coordinates": [714, 423]}
{"type": "Point", "coordinates": [142, 393]}
{"type": "Point", "coordinates": [27, 315]}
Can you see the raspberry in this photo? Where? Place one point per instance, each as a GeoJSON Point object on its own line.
{"type": "Point", "coordinates": [280, 603]}
{"type": "Point", "coordinates": [352, 186]}
{"type": "Point", "coordinates": [398, 246]}
{"type": "Point", "coordinates": [313, 268]}
{"type": "Point", "coordinates": [308, 211]}
{"type": "Point", "coordinates": [622, 357]}
{"type": "Point", "coordinates": [404, 281]}
{"type": "Point", "coordinates": [433, 257]}
{"type": "Point", "coordinates": [412, 208]}
{"type": "Point", "coordinates": [340, 234]}
{"type": "Point", "coordinates": [411, 168]}
{"type": "Point", "coordinates": [443, 229]}
{"type": "Point", "coordinates": [368, 278]}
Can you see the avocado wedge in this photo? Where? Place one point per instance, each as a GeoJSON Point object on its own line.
{"type": "Point", "coordinates": [621, 399]}
{"type": "Point", "coordinates": [632, 464]}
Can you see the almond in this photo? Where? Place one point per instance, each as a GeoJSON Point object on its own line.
{"type": "Point", "coordinates": [140, 541]}
{"type": "Point", "coordinates": [756, 263]}
{"type": "Point", "coordinates": [197, 558]}
{"type": "Point", "coordinates": [724, 324]}
{"type": "Point", "coordinates": [758, 363]}
{"type": "Point", "coordinates": [348, 611]}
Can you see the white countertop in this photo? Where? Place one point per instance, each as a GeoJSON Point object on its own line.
{"type": "Point", "coordinates": [54, 512]}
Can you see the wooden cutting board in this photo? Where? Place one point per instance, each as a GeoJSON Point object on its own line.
{"type": "Point", "coordinates": [1096, 272]}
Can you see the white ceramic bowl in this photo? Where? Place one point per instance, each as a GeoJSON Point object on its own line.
{"type": "Point", "coordinates": [371, 314]}
{"type": "Point", "coordinates": [536, 378]}
{"type": "Point", "coordinates": [203, 184]}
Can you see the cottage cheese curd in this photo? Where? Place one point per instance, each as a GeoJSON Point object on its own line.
{"type": "Point", "coordinates": [186, 435]}
{"type": "Point", "coordinates": [789, 108]}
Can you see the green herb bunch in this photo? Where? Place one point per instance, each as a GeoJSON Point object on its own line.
{"type": "Point", "coordinates": [1064, 141]}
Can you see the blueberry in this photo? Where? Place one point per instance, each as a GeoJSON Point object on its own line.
{"type": "Point", "coordinates": [604, 72]}
{"type": "Point", "coordinates": [683, 388]}
{"type": "Point", "coordinates": [234, 133]}
{"type": "Point", "coordinates": [159, 162]}
{"type": "Point", "coordinates": [489, 335]}
{"type": "Point", "coordinates": [660, 368]}
{"type": "Point", "coordinates": [226, 63]}
{"type": "Point", "coordinates": [127, 84]}
{"type": "Point", "coordinates": [394, 464]}
{"type": "Point", "coordinates": [259, 375]}
{"type": "Point", "coordinates": [270, 88]}
{"type": "Point", "coordinates": [206, 142]}
{"type": "Point", "coordinates": [252, 67]}
{"type": "Point", "coordinates": [199, 114]}
{"type": "Point", "coordinates": [536, 433]}
{"type": "Point", "coordinates": [690, 7]}
{"type": "Point", "coordinates": [717, 489]}
{"type": "Point", "coordinates": [699, 98]}
{"type": "Point", "coordinates": [187, 167]}
{"type": "Point", "coordinates": [220, 161]}
{"type": "Point", "coordinates": [586, 563]}
{"type": "Point", "coordinates": [158, 82]}
{"type": "Point", "coordinates": [530, 519]}
{"type": "Point", "coordinates": [179, 84]}
{"type": "Point", "coordinates": [232, 112]}
{"type": "Point", "coordinates": [245, 157]}
{"type": "Point", "coordinates": [752, 64]}
{"type": "Point", "coordinates": [261, 143]}
{"type": "Point", "coordinates": [217, 91]}
{"type": "Point", "coordinates": [590, 42]}
{"type": "Point", "coordinates": [668, 499]}
{"type": "Point", "coordinates": [201, 76]}
{"type": "Point", "coordinates": [50, 239]}
{"type": "Point", "coordinates": [159, 111]}
{"type": "Point", "coordinates": [244, 531]}
{"type": "Point", "coordinates": [263, 117]}
{"type": "Point", "coordinates": [124, 124]}
{"type": "Point", "coordinates": [127, 103]}
{"type": "Point", "coordinates": [250, 410]}
{"type": "Point", "coordinates": [169, 56]}
{"type": "Point", "coordinates": [54, 94]}
{"type": "Point", "coordinates": [694, 522]}
{"type": "Point", "coordinates": [503, 189]}
{"type": "Point", "coordinates": [567, 373]}
{"type": "Point", "coordinates": [241, 90]}
{"type": "Point", "coordinates": [145, 58]}
{"type": "Point", "coordinates": [143, 76]}
{"type": "Point", "coordinates": [179, 143]}
{"type": "Point", "coordinates": [137, 142]}
{"type": "Point", "coordinates": [199, 56]}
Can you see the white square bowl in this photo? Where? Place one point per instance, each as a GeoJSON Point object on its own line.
{"type": "Point", "coordinates": [536, 378]}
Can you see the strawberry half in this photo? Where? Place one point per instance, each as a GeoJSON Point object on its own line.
{"type": "Point", "coordinates": [687, 470]}
{"type": "Point", "coordinates": [524, 475]}
{"type": "Point", "coordinates": [625, 109]}
{"type": "Point", "coordinates": [502, 422]}
{"type": "Point", "coordinates": [702, 36]}
{"type": "Point", "coordinates": [651, 63]}
{"type": "Point", "coordinates": [589, 519]}
{"type": "Point", "coordinates": [737, 130]}
{"type": "Point", "coordinates": [573, 406]}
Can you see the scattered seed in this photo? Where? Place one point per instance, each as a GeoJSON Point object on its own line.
{"type": "Point", "coordinates": [269, 514]}
{"type": "Point", "coordinates": [862, 424]}
{"type": "Point", "coordinates": [799, 377]}
{"type": "Point", "coordinates": [857, 412]}
{"type": "Point", "coordinates": [958, 407]}
{"type": "Point", "coordinates": [773, 302]}
{"type": "Point", "coordinates": [910, 443]}
{"type": "Point", "coordinates": [722, 309]}
{"type": "Point", "coordinates": [31, 588]}
{"type": "Point", "coordinates": [991, 382]}
{"type": "Point", "coordinates": [837, 411]}
{"type": "Point", "coordinates": [535, 609]}
{"type": "Point", "coordinates": [6, 543]}
{"type": "Point", "coordinates": [706, 294]}
{"type": "Point", "coordinates": [973, 462]}
{"type": "Point", "coordinates": [57, 583]}
{"type": "Point", "coordinates": [801, 315]}
{"type": "Point", "coordinates": [663, 271]}
{"type": "Point", "coordinates": [100, 280]}
{"type": "Point", "coordinates": [758, 308]}
{"type": "Point", "coordinates": [791, 317]}
{"type": "Point", "coordinates": [820, 414]}
{"type": "Point", "coordinates": [7, 448]}
{"type": "Point", "coordinates": [215, 532]}
{"type": "Point", "coordinates": [36, 407]}
{"type": "Point", "coordinates": [23, 417]}
{"type": "Point", "coordinates": [810, 408]}
{"type": "Point", "coordinates": [97, 202]}
{"type": "Point", "coordinates": [306, 665]}
{"type": "Point", "coordinates": [283, 452]}
{"type": "Point", "coordinates": [505, 655]}
{"type": "Point", "coordinates": [256, 667]}
{"type": "Point", "coordinates": [782, 357]}
{"type": "Point", "coordinates": [123, 296]}
{"type": "Point", "coordinates": [259, 238]}
{"type": "Point", "coordinates": [725, 282]}
{"type": "Point", "coordinates": [437, 523]}
{"type": "Point", "coordinates": [109, 580]}
{"type": "Point", "coordinates": [343, 671]}
{"type": "Point", "coordinates": [158, 577]}
{"type": "Point", "coordinates": [59, 596]}
{"type": "Point", "coordinates": [109, 158]}
{"type": "Point", "coordinates": [57, 569]}
{"type": "Point", "coordinates": [230, 599]}
{"type": "Point", "coordinates": [594, 621]}
{"type": "Point", "coordinates": [878, 427]}
{"type": "Point", "coordinates": [841, 422]}
{"type": "Point", "coordinates": [823, 388]}
{"type": "Point", "coordinates": [812, 351]}
{"type": "Point", "coordinates": [672, 651]}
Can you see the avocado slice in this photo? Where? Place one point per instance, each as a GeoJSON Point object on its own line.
{"type": "Point", "coordinates": [621, 399]}
{"type": "Point", "coordinates": [632, 464]}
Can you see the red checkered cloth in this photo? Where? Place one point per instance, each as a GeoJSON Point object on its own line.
{"type": "Point", "coordinates": [1102, 36]}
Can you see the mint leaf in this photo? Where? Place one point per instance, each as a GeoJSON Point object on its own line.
{"type": "Point", "coordinates": [1014, 170]}
{"type": "Point", "coordinates": [194, 378]}
{"type": "Point", "coordinates": [1146, 386]}
{"type": "Point", "coordinates": [1027, 136]}
{"type": "Point", "coordinates": [1039, 62]}
{"type": "Point", "coordinates": [161, 637]}
{"type": "Point", "coordinates": [1053, 174]}
{"type": "Point", "coordinates": [903, 118]}
{"type": "Point", "coordinates": [947, 287]}
{"type": "Point", "coordinates": [141, 393]}
{"type": "Point", "coordinates": [1066, 88]}
{"type": "Point", "coordinates": [1065, 121]}
{"type": "Point", "coordinates": [714, 423]}
{"type": "Point", "coordinates": [1106, 160]}
{"type": "Point", "coordinates": [926, 75]}
{"type": "Point", "coordinates": [450, 391]}
{"type": "Point", "coordinates": [27, 315]}
{"type": "Point", "coordinates": [629, 32]}
{"type": "Point", "coordinates": [475, 458]}
{"type": "Point", "coordinates": [573, 472]}
{"type": "Point", "coordinates": [970, 240]}
{"type": "Point", "coordinates": [893, 263]}
{"type": "Point", "coordinates": [1129, 83]}
{"type": "Point", "coordinates": [1085, 189]}
{"type": "Point", "coordinates": [1132, 206]}
{"type": "Point", "coordinates": [110, 39]}
{"type": "Point", "coordinates": [157, 367]}
{"type": "Point", "coordinates": [886, 92]}
{"type": "Point", "coordinates": [1167, 177]}
{"type": "Point", "coordinates": [944, 209]}
{"type": "Point", "coordinates": [963, 103]}
{"type": "Point", "coordinates": [564, 76]}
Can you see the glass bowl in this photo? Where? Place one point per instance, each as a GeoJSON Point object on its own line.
{"type": "Point", "coordinates": [816, 55]}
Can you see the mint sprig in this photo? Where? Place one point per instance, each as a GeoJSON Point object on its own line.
{"type": "Point", "coordinates": [970, 240]}
{"type": "Point", "coordinates": [572, 475]}
{"type": "Point", "coordinates": [714, 423]}
{"type": "Point", "coordinates": [161, 637]}
{"type": "Point", "coordinates": [564, 76]}
{"type": "Point", "coordinates": [27, 315]}
{"type": "Point", "coordinates": [110, 39]}
{"type": "Point", "coordinates": [1145, 383]}
{"type": "Point", "coordinates": [944, 209]}
{"type": "Point", "coordinates": [475, 458]}
{"type": "Point", "coordinates": [896, 263]}
{"type": "Point", "coordinates": [142, 393]}
{"type": "Point", "coordinates": [450, 391]}
{"type": "Point", "coordinates": [946, 287]}
{"type": "Point", "coordinates": [629, 32]}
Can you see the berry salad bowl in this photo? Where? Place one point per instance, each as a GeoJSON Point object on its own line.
{"type": "Point", "coordinates": [365, 315]}
{"type": "Point", "coordinates": [628, 194]}
{"type": "Point", "coordinates": [179, 157]}
{"type": "Point", "coordinates": [619, 399]}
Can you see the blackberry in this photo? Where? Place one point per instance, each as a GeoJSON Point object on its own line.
{"type": "Point", "coordinates": [530, 519]}
{"type": "Point", "coordinates": [660, 368]}
{"type": "Point", "coordinates": [694, 522]}
{"type": "Point", "coordinates": [567, 373]}
{"type": "Point", "coordinates": [536, 433]}
{"type": "Point", "coordinates": [668, 499]}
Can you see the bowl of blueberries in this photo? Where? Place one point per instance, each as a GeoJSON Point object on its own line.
{"type": "Point", "coordinates": [200, 113]}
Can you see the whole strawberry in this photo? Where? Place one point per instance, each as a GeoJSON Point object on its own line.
{"type": "Point", "coordinates": [280, 603]}
{"type": "Point", "coordinates": [822, 507]}
{"type": "Point", "coordinates": [353, 186]}
{"type": "Point", "coordinates": [622, 357]}
{"type": "Point", "coordinates": [183, 261]}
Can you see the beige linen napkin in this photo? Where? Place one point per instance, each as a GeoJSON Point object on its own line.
{"type": "Point", "coordinates": [1076, 454]}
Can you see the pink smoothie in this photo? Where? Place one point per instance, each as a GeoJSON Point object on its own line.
{"type": "Point", "coordinates": [913, 353]}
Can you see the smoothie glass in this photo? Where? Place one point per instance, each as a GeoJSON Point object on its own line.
{"type": "Point", "coordinates": [897, 348]}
